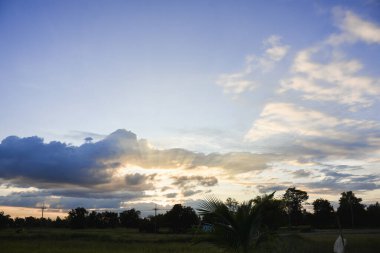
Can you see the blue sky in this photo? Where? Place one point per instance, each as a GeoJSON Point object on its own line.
{"type": "Point", "coordinates": [252, 96]}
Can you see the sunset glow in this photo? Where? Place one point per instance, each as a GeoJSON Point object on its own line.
{"type": "Point", "coordinates": [126, 104]}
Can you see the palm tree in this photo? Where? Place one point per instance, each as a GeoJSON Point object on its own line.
{"type": "Point", "coordinates": [236, 230]}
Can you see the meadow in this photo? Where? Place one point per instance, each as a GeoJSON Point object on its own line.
{"type": "Point", "coordinates": [127, 240]}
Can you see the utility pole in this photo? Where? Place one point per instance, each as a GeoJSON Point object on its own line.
{"type": "Point", "coordinates": [43, 207]}
{"type": "Point", "coordinates": [352, 211]}
{"type": "Point", "coordinates": [155, 218]}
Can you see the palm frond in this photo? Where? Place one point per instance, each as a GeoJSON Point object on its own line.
{"type": "Point", "coordinates": [236, 230]}
{"type": "Point", "coordinates": [239, 229]}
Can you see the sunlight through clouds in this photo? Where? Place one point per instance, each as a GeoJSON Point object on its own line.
{"type": "Point", "coordinates": [231, 99]}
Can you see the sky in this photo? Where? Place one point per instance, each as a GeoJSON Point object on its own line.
{"type": "Point", "coordinates": [127, 104]}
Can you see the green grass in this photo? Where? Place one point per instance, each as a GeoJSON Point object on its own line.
{"type": "Point", "coordinates": [124, 240]}
{"type": "Point", "coordinates": [112, 235]}
{"type": "Point", "coordinates": [74, 246]}
{"type": "Point", "coordinates": [318, 243]}
{"type": "Point", "coordinates": [98, 241]}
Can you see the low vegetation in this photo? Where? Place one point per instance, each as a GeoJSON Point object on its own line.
{"type": "Point", "coordinates": [51, 240]}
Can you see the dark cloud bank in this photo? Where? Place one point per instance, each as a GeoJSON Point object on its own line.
{"type": "Point", "coordinates": [80, 173]}
{"type": "Point", "coordinates": [68, 176]}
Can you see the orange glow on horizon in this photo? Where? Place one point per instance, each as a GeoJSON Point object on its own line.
{"type": "Point", "coordinates": [22, 212]}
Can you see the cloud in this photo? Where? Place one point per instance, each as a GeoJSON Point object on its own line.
{"type": "Point", "coordinates": [135, 182]}
{"type": "Point", "coordinates": [353, 28]}
{"type": "Point", "coordinates": [243, 81]}
{"type": "Point", "coordinates": [80, 136]}
{"type": "Point", "coordinates": [102, 170]}
{"type": "Point", "coordinates": [31, 160]}
{"type": "Point", "coordinates": [236, 162]}
{"type": "Point", "coordinates": [186, 181]}
{"type": "Point", "coordinates": [54, 162]}
{"type": "Point", "coordinates": [275, 52]}
{"type": "Point", "coordinates": [34, 162]}
{"type": "Point", "coordinates": [269, 188]}
{"type": "Point", "coordinates": [334, 80]}
{"type": "Point", "coordinates": [325, 179]}
{"type": "Point", "coordinates": [34, 199]}
{"type": "Point", "coordinates": [239, 82]}
{"type": "Point", "coordinates": [232, 162]}
{"type": "Point", "coordinates": [322, 72]}
{"type": "Point", "coordinates": [171, 195]}
{"type": "Point", "coordinates": [291, 119]}
{"type": "Point", "coordinates": [137, 178]}
{"type": "Point", "coordinates": [290, 126]}
{"type": "Point", "coordinates": [189, 184]}
{"type": "Point", "coordinates": [333, 182]}
{"type": "Point", "coordinates": [188, 193]}
{"type": "Point", "coordinates": [301, 173]}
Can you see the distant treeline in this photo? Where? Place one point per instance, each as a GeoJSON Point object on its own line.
{"type": "Point", "coordinates": [287, 211]}
{"type": "Point", "coordinates": [179, 219]}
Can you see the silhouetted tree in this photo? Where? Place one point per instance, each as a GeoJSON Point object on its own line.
{"type": "Point", "coordinates": [350, 211]}
{"type": "Point", "coordinates": [232, 204]}
{"type": "Point", "coordinates": [109, 219]}
{"type": "Point", "coordinates": [307, 218]}
{"type": "Point", "coordinates": [293, 200]}
{"type": "Point", "coordinates": [104, 219]}
{"type": "Point", "coordinates": [31, 222]}
{"type": "Point", "coordinates": [77, 217]}
{"type": "Point", "coordinates": [59, 223]}
{"type": "Point", "coordinates": [148, 226]}
{"type": "Point", "coordinates": [323, 213]}
{"type": "Point", "coordinates": [130, 218]}
{"type": "Point", "coordinates": [181, 218]}
{"type": "Point", "coordinates": [93, 220]}
{"type": "Point", "coordinates": [160, 219]}
{"type": "Point", "coordinates": [19, 222]}
{"type": "Point", "coordinates": [273, 214]}
{"type": "Point", "coordinates": [373, 215]}
{"type": "Point", "coordinates": [5, 220]}
{"type": "Point", "coordinates": [45, 222]}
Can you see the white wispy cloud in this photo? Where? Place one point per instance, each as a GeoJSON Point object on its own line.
{"type": "Point", "coordinates": [353, 29]}
{"type": "Point", "coordinates": [333, 77]}
{"type": "Point", "coordinates": [337, 80]}
{"type": "Point", "coordinates": [244, 80]}
{"type": "Point", "coordinates": [237, 83]}
{"type": "Point", "coordinates": [275, 52]}
{"type": "Point", "coordinates": [313, 131]}
{"type": "Point", "coordinates": [325, 73]}
{"type": "Point", "coordinates": [290, 119]}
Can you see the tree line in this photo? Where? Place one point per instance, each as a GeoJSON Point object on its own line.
{"type": "Point", "coordinates": [351, 213]}
{"type": "Point", "coordinates": [242, 227]}
{"type": "Point", "coordinates": [274, 213]}
{"type": "Point", "coordinates": [179, 219]}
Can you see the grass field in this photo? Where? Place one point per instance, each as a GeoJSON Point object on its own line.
{"type": "Point", "coordinates": [123, 240]}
